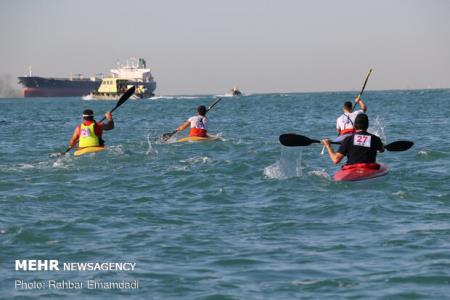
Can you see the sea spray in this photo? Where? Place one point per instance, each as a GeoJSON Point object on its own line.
{"type": "Point", "coordinates": [151, 151]}
{"type": "Point", "coordinates": [377, 128]}
{"type": "Point", "coordinates": [288, 166]}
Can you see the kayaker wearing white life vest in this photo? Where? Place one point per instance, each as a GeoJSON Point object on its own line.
{"type": "Point", "coordinates": [360, 147]}
{"type": "Point", "coordinates": [345, 123]}
{"type": "Point", "coordinates": [198, 123]}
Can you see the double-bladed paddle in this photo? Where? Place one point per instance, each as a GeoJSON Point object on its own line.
{"type": "Point", "coordinates": [166, 136]}
{"type": "Point", "coordinates": [362, 90]}
{"type": "Point", "coordinates": [296, 140]}
{"type": "Point", "coordinates": [121, 101]}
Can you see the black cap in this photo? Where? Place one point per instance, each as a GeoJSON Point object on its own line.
{"type": "Point", "coordinates": [361, 122]}
{"type": "Point", "coordinates": [88, 114]}
{"type": "Point", "coordinates": [201, 110]}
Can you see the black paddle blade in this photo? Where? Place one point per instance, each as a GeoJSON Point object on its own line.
{"type": "Point", "coordinates": [125, 97]}
{"type": "Point", "coordinates": [295, 140]}
{"type": "Point", "coordinates": [166, 136]}
{"type": "Point", "coordinates": [399, 146]}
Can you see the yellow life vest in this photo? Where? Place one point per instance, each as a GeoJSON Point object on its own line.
{"type": "Point", "coordinates": [88, 137]}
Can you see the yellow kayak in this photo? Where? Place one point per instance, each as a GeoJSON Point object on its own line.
{"type": "Point", "coordinates": [198, 139]}
{"type": "Point", "coordinates": [87, 150]}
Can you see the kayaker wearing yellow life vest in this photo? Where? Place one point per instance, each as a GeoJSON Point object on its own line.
{"type": "Point", "coordinates": [360, 147]}
{"type": "Point", "coordinates": [89, 133]}
{"type": "Point", "coordinates": [345, 123]}
{"type": "Point", "coordinates": [198, 123]}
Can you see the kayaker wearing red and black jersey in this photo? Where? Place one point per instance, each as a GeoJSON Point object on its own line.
{"type": "Point", "coordinates": [198, 123]}
{"type": "Point", "coordinates": [345, 123]}
{"type": "Point", "coordinates": [89, 133]}
{"type": "Point", "coordinates": [360, 148]}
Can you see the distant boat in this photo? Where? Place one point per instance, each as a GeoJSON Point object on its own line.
{"type": "Point", "coordinates": [135, 72]}
{"type": "Point", "coordinates": [233, 92]}
{"type": "Point", "coordinates": [113, 88]}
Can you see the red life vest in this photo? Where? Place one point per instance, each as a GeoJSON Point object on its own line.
{"type": "Point", "coordinates": [198, 132]}
{"type": "Point", "coordinates": [347, 131]}
{"type": "Point", "coordinates": [371, 166]}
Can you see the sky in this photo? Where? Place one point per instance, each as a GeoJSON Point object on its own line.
{"type": "Point", "coordinates": [208, 46]}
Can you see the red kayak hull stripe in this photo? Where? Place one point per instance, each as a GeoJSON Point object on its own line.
{"type": "Point", "coordinates": [356, 174]}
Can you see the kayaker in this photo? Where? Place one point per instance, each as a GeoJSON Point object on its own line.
{"type": "Point", "coordinates": [345, 123]}
{"type": "Point", "coordinates": [360, 147]}
{"type": "Point", "coordinates": [198, 124]}
{"type": "Point", "coordinates": [89, 133]}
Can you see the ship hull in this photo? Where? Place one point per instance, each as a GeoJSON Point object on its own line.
{"type": "Point", "coordinates": [54, 92]}
{"type": "Point", "coordinates": [34, 86]}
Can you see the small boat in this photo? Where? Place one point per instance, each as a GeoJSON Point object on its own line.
{"type": "Point", "coordinates": [198, 139]}
{"type": "Point", "coordinates": [87, 150]}
{"type": "Point", "coordinates": [357, 173]}
{"type": "Point", "coordinates": [233, 92]}
{"type": "Point", "coordinates": [113, 88]}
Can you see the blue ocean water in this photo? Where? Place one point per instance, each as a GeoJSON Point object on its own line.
{"type": "Point", "coordinates": [241, 218]}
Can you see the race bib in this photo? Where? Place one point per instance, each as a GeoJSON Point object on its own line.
{"type": "Point", "coordinates": [85, 132]}
{"type": "Point", "coordinates": [362, 140]}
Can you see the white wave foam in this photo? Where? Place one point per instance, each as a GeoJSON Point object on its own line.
{"type": "Point", "coordinates": [161, 97]}
{"type": "Point", "coordinates": [60, 162]}
{"type": "Point", "coordinates": [400, 194]}
{"type": "Point", "coordinates": [319, 173]}
{"type": "Point", "coordinates": [116, 149]}
{"type": "Point", "coordinates": [196, 160]}
{"type": "Point", "coordinates": [304, 282]}
{"type": "Point", "coordinates": [87, 97]}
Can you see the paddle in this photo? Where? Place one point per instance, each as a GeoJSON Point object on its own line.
{"type": "Point", "coordinates": [166, 136]}
{"type": "Point", "coordinates": [399, 146]}
{"type": "Point", "coordinates": [296, 140]}
{"type": "Point", "coordinates": [362, 90]}
{"type": "Point", "coordinates": [121, 101]}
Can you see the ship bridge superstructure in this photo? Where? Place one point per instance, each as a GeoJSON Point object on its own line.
{"type": "Point", "coordinates": [134, 70]}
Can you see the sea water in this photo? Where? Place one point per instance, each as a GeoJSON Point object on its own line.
{"type": "Point", "coordinates": [240, 218]}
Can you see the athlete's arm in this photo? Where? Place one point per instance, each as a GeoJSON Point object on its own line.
{"type": "Point", "coordinates": [335, 157]}
{"type": "Point", "coordinates": [184, 126]}
{"type": "Point", "coordinates": [381, 147]}
{"type": "Point", "coordinates": [75, 136]}
{"type": "Point", "coordinates": [361, 104]}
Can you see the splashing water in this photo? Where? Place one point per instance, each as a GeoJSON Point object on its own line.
{"type": "Point", "coordinates": [87, 97]}
{"type": "Point", "coordinates": [150, 150]}
{"type": "Point", "coordinates": [288, 166]}
{"type": "Point", "coordinates": [377, 128]}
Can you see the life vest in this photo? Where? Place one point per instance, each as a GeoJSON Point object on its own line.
{"type": "Point", "coordinates": [198, 128]}
{"type": "Point", "coordinates": [198, 132]}
{"type": "Point", "coordinates": [347, 131]}
{"type": "Point", "coordinates": [87, 136]}
{"type": "Point", "coordinates": [371, 166]}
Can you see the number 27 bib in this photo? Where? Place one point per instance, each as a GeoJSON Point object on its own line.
{"type": "Point", "coordinates": [362, 140]}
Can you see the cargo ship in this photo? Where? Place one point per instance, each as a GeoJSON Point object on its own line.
{"type": "Point", "coordinates": [135, 71]}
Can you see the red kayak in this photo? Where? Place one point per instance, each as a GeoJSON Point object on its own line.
{"type": "Point", "coordinates": [358, 172]}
